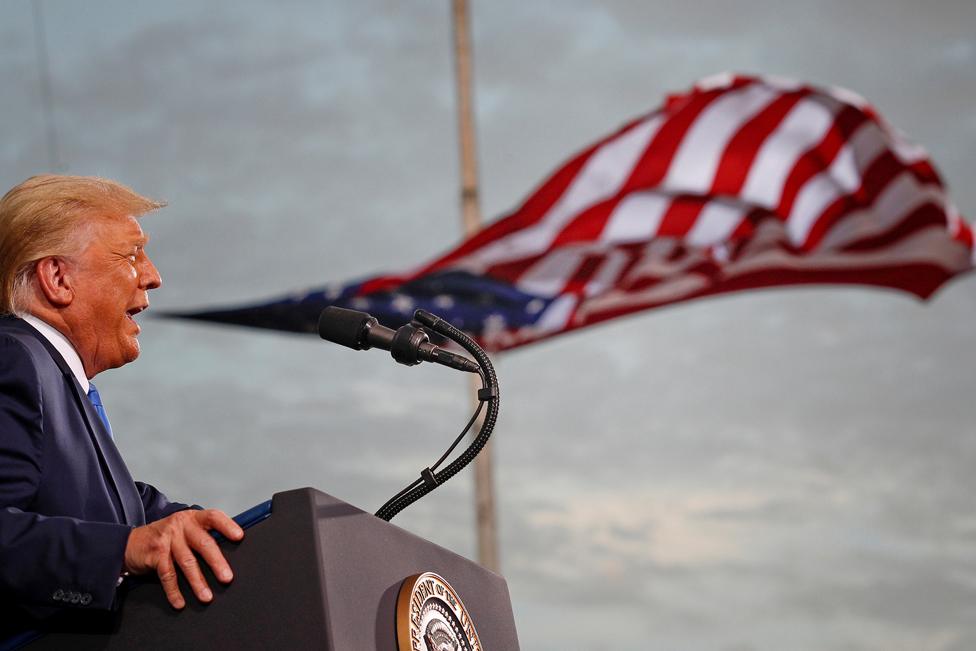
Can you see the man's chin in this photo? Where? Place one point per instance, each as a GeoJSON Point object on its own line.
{"type": "Point", "coordinates": [129, 352]}
{"type": "Point", "coordinates": [132, 352]}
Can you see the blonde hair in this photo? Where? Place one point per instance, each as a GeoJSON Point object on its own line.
{"type": "Point", "coordinates": [50, 215]}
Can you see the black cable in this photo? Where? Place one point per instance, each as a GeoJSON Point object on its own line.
{"type": "Point", "coordinates": [418, 482]}
{"type": "Point", "coordinates": [474, 418]}
{"type": "Point", "coordinates": [489, 394]}
{"type": "Point", "coordinates": [406, 490]}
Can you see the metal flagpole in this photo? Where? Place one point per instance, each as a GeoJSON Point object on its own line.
{"type": "Point", "coordinates": [47, 97]}
{"type": "Point", "coordinates": [484, 489]}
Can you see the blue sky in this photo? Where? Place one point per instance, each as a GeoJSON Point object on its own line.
{"type": "Point", "coordinates": [779, 469]}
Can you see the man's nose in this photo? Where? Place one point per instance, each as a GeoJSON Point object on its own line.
{"type": "Point", "coordinates": [150, 278]}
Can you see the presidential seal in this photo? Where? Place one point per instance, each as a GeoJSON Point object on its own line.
{"type": "Point", "coordinates": [431, 617]}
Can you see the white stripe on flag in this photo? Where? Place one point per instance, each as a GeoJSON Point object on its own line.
{"type": "Point", "coordinates": [782, 83]}
{"type": "Point", "coordinates": [608, 273]}
{"type": "Point", "coordinates": [953, 218]}
{"type": "Point", "coordinates": [556, 317]}
{"type": "Point", "coordinates": [906, 151]}
{"type": "Point", "coordinates": [899, 198]}
{"type": "Point", "coordinates": [697, 159]}
{"type": "Point", "coordinates": [715, 223]}
{"type": "Point", "coordinates": [843, 176]}
{"type": "Point", "coordinates": [805, 126]}
{"type": "Point", "coordinates": [926, 246]}
{"type": "Point", "coordinates": [716, 81]}
{"type": "Point", "coordinates": [549, 275]}
{"type": "Point", "coordinates": [847, 97]}
{"type": "Point", "coordinates": [600, 178]}
{"type": "Point", "coordinates": [635, 218]}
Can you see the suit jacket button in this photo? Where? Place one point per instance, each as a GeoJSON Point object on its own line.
{"type": "Point", "coordinates": [58, 595]}
{"type": "Point", "coordinates": [85, 599]}
{"type": "Point", "coordinates": [75, 597]}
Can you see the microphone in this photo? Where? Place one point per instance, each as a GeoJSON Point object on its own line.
{"type": "Point", "coordinates": [408, 344]}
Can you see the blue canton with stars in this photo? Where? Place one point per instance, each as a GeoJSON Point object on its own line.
{"type": "Point", "coordinates": [470, 302]}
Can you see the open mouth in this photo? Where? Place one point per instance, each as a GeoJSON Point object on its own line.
{"type": "Point", "coordinates": [131, 312]}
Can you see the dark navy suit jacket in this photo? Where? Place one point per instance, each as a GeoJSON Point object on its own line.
{"type": "Point", "coordinates": [67, 501]}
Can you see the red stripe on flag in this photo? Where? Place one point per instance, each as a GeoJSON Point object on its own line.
{"type": "Point", "coordinates": [920, 279]}
{"type": "Point", "coordinates": [747, 227]}
{"type": "Point", "coordinates": [588, 225]}
{"type": "Point", "coordinates": [680, 216]}
{"type": "Point", "coordinates": [819, 157]}
{"type": "Point", "coordinates": [925, 172]}
{"type": "Point", "coordinates": [511, 271]}
{"type": "Point", "coordinates": [876, 178]}
{"type": "Point", "coordinates": [742, 149]}
{"type": "Point", "coordinates": [534, 208]}
{"type": "Point", "coordinates": [381, 284]}
{"type": "Point", "coordinates": [583, 274]}
{"type": "Point", "coordinates": [885, 169]}
{"type": "Point", "coordinates": [925, 216]}
{"type": "Point", "coordinates": [536, 205]}
{"type": "Point", "coordinates": [965, 235]}
{"type": "Point", "coordinates": [653, 165]}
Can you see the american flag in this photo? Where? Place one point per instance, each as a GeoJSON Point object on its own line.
{"type": "Point", "coordinates": [741, 182]}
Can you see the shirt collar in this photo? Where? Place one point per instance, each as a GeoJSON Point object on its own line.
{"type": "Point", "coordinates": [63, 346]}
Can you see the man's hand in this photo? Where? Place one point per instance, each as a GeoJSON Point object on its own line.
{"type": "Point", "coordinates": [166, 543]}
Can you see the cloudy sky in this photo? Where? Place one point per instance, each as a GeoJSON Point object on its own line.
{"type": "Point", "coordinates": [780, 469]}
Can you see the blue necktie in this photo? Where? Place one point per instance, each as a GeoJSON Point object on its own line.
{"type": "Point", "coordinates": [96, 401]}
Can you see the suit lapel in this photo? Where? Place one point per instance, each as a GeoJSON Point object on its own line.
{"type": "Point", "coordinates": [117, 472]}
{"type": "Point", "coordinates": [113, 467]}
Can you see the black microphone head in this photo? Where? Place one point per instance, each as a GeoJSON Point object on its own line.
{"type": "Point", "coordinates": [344, 327]}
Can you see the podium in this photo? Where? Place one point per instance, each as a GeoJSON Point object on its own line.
{"type": "Point", "coordinates": [317, 573]}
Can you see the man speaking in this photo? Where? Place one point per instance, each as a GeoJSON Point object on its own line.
{"type": "Point", "coordinates": [73, 274]}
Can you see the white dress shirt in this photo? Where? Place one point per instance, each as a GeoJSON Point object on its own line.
{"type": "Point", "coordinates": [63, 346]}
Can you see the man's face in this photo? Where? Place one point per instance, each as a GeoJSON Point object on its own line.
{"type": "Point", "coordinates": [111, 281]}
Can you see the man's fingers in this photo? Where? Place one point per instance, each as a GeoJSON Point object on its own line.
{"type": "Point", "coordinates": [170, 546]}
{"type": "Point", "coordinates": [167, 576]}
{"type": "Point", "coordinates": [205, 545]}
{"type": "Point", "coordinates": [220, 521]}
{"type": "Point", "coordinates": [184, 557]}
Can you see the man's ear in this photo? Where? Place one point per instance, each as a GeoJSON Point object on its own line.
{"type": "Point", "coordinates": [52, 277]}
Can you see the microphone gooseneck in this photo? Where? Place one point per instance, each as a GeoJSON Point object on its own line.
{"type": "Point", "coordinates": [411, 345]}
{"type": "Point", "coordinates": [431, 478]}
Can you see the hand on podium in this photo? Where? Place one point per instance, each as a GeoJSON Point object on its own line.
{"type": "Point", "coordinates": [163, 545]}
